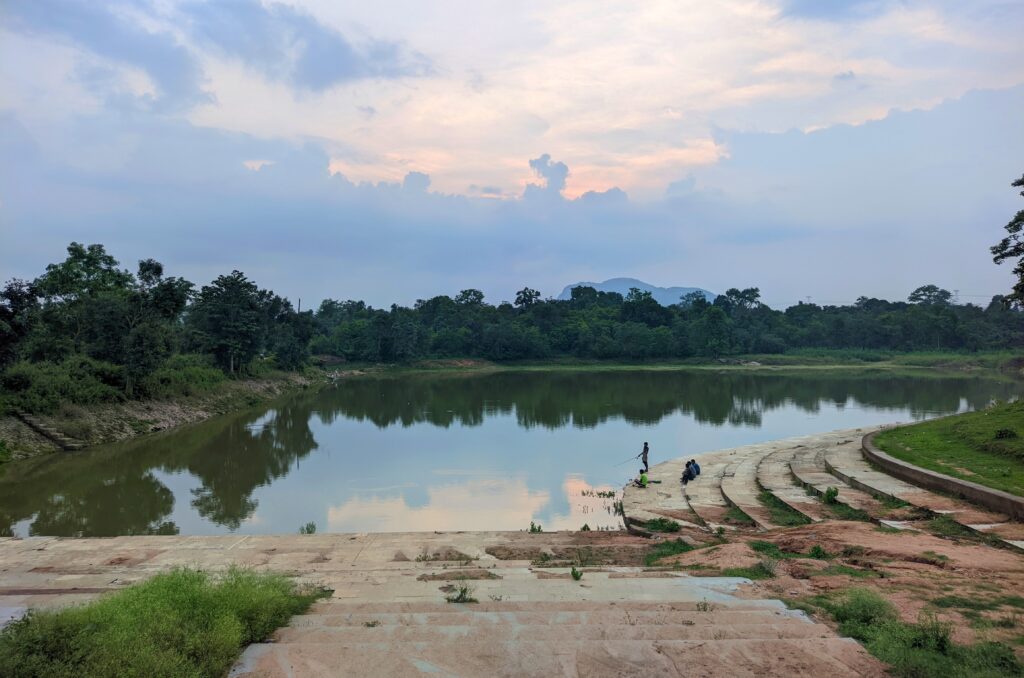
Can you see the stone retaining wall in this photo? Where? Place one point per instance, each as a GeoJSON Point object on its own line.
{"type": "Point", "coordinates": [995, 500]}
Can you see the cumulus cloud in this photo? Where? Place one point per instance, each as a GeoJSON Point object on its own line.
{"type": "Point", "coordinates": [782, 210]}
{"type": "Point", "coordinates": [95, 27]}
{"type": "Point", "coordinates": [288, 44]}
{"type": "Point", "coordinates": [553, 174]}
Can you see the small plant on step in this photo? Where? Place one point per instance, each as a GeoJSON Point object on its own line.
{"type": "Point", "coordinates": [462, 593]}
{"type": "Point", "coordinates": [662, 525]}
{"type": "Point", "coordinates": [308, 528]}
{"type": "Point", "coordinates": [576, 574]}
{"type": "Point", "coordinates": [831, 495]}
{"type": "Point", "coordinates": [705, 606]}
{"type": "Point", "coordinates": [535, 528]}
{"type": "Point", "coordinates": [585, 528]}
{"type": "Point", "coordinates": [372, 624]}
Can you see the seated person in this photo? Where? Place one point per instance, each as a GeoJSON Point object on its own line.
{"type": "Point", "coordinates": [696, 467]}
{"type": "Point", "coordinates": [642, 480]}
{"type": "Point", "coordinates": [688, 473]}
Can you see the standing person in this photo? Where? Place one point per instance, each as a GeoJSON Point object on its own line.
{"type": "Point", "coordinates": [643, 457]}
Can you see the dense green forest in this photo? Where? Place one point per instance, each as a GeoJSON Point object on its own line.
{"type": "Point", "coordinates": [87, 330]}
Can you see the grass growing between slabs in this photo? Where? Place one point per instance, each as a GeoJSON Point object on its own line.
{"type": "Point", "coordinates": [923, 649]}
{"type": "Point", "coordinates": [781, 513]}
{"type": "Point", "coordinates": [985, 447]}
{"type": "Point", "coordinates": [183, 623]}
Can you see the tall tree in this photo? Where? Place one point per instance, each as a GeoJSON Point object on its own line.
{"type": "Point", "coordinates": [229, 318]}
{"type": "Point", "coordinates": [527, 297]}
{"type": "Point", "coordinates": [1013, 246]}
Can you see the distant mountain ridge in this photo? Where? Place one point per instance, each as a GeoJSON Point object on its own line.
{"type": "Point", "coordinates": [666, 296]}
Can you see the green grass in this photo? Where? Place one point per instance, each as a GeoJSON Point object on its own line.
{"type": "Point", "coordinates": [982, 604]}
{"type": "Point", "coordinates": [848, 571]}
{"type": "Point", "coordinates": [762, 570]}
{"type": "Point", "coordinates": [985, 447]}
{"type": "Point", "coordinates": [916, 650]}
{"type": "Point", "coordinates": [781, 513]}
{"type": "Point", "coordinates": [666, 549]}
{"type": "Point", "coordinates": [736, 515]}
{"type": "Point", "coordinates": [183, 623]}
{"type": "Point", "coordinates": [846, 512]}
{"type": "Point", "coordinates": [767, 548]}
{"type": "Point", "coordinates": [944, 526]}
{"type": "Point", "coordinates": [5, 454]}
{"type": "Point", "coordinates": [662, 525]}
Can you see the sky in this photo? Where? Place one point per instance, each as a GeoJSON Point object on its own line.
{"type": "Point", "coordinates": [393, 151]}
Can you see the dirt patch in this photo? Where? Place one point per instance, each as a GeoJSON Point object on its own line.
{"type": "Point", "coordinates": [565, 555]}
{"type": "Point", "coordinates": [456, 575]}
{"type": "Point", "coordinates": [972, 586]}
{"type": "Point", "coordinates": [720, 557]}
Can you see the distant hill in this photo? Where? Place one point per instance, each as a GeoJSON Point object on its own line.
{"type": "Point", "coordinates": [666, 296]}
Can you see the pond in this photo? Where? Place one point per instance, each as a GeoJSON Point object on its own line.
{"type": "Point", "coordinates": [449, 451]}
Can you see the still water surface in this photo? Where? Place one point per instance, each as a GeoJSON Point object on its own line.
{"type": "Point", "coordinates": [449, 451]}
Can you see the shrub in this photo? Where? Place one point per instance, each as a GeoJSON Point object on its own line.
{"type": "Point", "coordinates": [662, 525]}
{"type": "Point", "coordinates": [831, 495]}
{"type": "Point", "coordinates": [576, 574]}
{"type": "Point", "coordinates": [44, 386]}
{"type": "Point", "coordinates": [182, 375]}
{"type": "Point", "coordinates": [184, 623]}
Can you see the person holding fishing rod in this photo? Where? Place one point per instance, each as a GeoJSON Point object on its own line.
{"type": "Point", "coordinates": [642, 457]}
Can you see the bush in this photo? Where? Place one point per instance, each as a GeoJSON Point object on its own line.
{"type": "Point", "coordinates": [184, 623]}
{"type": "Point", "coordinates": [917, 650]}
{"type": "Point", "coordinates": [662, 525]}
{"type": "Point", "coordinates": [43, 386]}
{"type": "Point", "coordinates": [182, 375]}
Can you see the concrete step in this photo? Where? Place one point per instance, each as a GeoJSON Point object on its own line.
{"type": "Point", "coordinates": [497, 657]}
{"type": "Point", "coordinates": [704, 494]}
{"type": "Point", "coordinates": [808, 467]}
{"type": "Point", "coordinates": [548, 632]}
{"type": "Point", "coordinates": [847, 462]}
{"type": "Point", "coordinates": [775, 476]}
{"type": "Point", "coordinates": [740, 488]}
{"type": "Point", "coordinates": [465, 614]}
{"type": "Point", "coordinates": [698, 596]}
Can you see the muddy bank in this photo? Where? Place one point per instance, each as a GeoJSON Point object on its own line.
{"type": "Point", "coordinates": [112, 422]}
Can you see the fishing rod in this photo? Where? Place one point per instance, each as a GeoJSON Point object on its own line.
{"type": "Point", "coordinates": [629, 460]}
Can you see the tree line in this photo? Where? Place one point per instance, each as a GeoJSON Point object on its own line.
{"type": "Point", "coordinates": [87, 330]}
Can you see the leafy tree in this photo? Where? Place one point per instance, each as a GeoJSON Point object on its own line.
{"type": "Point", "coordinates": [527, 297]}
{"type": "Point", "coordinates": [930, 295]}
{"type": "Point", "coordinates": [227, 319]}
{"type": "Point", "coordinates": [469, 297]}
{"type": "Point", "coordinates": [1013, 246]}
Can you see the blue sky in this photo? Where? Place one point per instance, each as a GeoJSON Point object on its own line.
{"type": "Point", "coordinates": [392, 151]}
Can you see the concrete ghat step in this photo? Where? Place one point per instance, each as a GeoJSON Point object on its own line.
{"type": "Point", "coordinates": [834, 657]}
{"type": "Point", "coordinates": [808, 467]}
{"type": "Point", "coordinates": [704, 494]}
{"type": "Point", "coordinates": [739, 487]}
{"type": "Point", "coordinates": [696, 600]}
{"type": "Point", "coordinates": [464, 615]}
{"type": "Point", "coordinates": [547, 632]}
{"type": "Point", "coordinates": [775, 476]}
{"type": "Point", "coordinates": [847, 462]}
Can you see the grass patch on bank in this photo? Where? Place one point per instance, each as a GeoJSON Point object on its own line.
{"type": "Point", "coordinates": [666, 549]}
{"type": "Point", "coordinates": [737, 516]}
{"type": "Point", "coordinates": [985, 447]}
{"type": "Point", "coordinates": [662, 525]}
{"type": "Point", "coordinates": [781, 513]}
{"type": "Point", "coordinates": [183, 623]}
{"type": "Point", "coordinates": [915, 650]}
